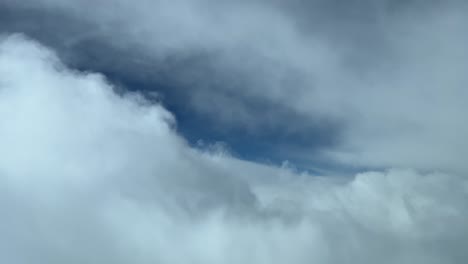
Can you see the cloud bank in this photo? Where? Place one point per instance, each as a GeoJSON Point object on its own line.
{"type": "Point", "coordinates": [379, 83]}
{"type": "Point", "coordinates": [91, 176]}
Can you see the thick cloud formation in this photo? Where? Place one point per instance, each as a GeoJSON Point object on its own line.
{"type": "Point", "coordinates": [90, 176]}
{"type": "Point", "coordinates": [382, 81]}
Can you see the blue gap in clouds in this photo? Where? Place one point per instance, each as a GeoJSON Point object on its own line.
{"type": "Point", "coordinates": [266, 146]}
{"type": "Point", "coordinates": [271, 145]}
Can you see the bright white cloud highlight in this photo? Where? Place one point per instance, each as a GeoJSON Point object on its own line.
{"type": "Point", "coordinates": [89, 176]}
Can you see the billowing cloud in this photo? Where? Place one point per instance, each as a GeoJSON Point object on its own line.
{"type": "Point", "coordinates": [382, 81]}
{"type": "Point", "coordinates": [90, 176]}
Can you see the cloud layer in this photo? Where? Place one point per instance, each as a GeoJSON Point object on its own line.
{"type": "Point", "coordinates": [90, 176]}
{"type": "Point", "coordinates": [379, 83]}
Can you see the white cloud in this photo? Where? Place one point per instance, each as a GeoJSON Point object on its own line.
{"type": "Point", "coordinates": [88, 176]}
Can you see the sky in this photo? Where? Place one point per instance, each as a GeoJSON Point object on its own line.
{"type": "Point", "coordinates": [262, 131]}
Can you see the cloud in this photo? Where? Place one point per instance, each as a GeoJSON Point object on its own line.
{"type": "Point", "coordinates": [90, 176]}
{"type": "Point", "coordinates": [388, 76]}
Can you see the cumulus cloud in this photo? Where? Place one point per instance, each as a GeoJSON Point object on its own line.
{"type": "Point", "coordinates": [90, 176]}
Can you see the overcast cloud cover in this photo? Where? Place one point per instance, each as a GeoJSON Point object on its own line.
{"type": "Point", "coordinates": [92, 172]}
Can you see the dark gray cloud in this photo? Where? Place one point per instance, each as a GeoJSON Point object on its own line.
{"type": "Point", "coordinates": [188, 83]}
